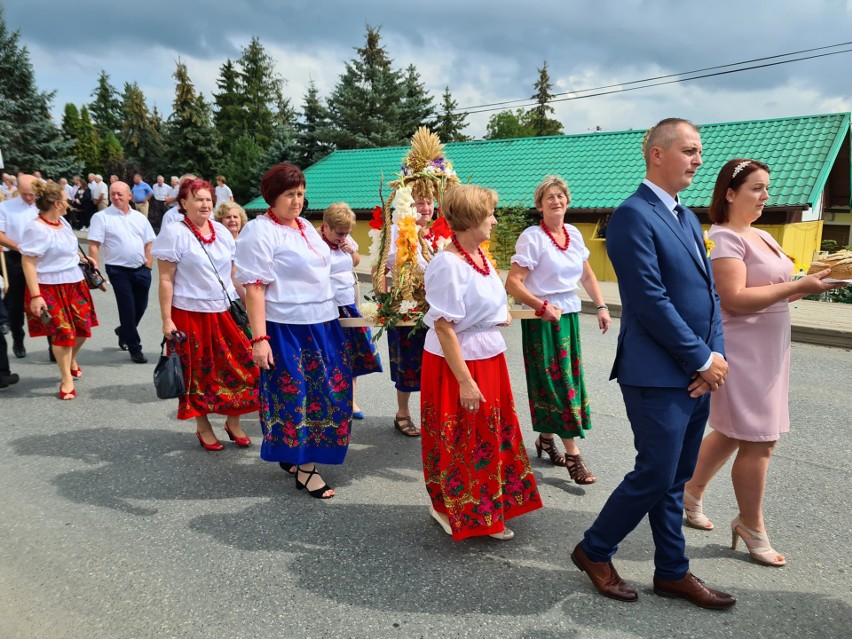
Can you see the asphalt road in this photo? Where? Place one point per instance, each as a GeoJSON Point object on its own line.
{"type": "Point", "coordinates": [115, 523]}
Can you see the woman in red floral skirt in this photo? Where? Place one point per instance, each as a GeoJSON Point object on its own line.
{"type": "Point", "coordinates": [59, 304]}
{"type": "Point", "coordinates": [195, 261]}
{"type": "Point", "coordinates": [477, 472]}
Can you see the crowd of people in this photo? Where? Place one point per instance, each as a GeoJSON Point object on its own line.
{"type": "Point", "coordinates": [698, 317]}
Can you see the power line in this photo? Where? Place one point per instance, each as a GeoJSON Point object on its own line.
{"type": "Point", "coordinates": [646, 82]}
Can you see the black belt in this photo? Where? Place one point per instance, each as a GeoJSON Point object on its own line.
{"type": "Point", "coordinates": [127, 269]}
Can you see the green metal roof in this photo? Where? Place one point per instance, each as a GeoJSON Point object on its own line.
{"type": "Point", "coordinates": [602, 169]}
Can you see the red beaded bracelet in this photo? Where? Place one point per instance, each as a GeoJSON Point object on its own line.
{"type": "Point", "coordinates": [540, 311]}
{"type": "Point", "coordinates": [262, 338]}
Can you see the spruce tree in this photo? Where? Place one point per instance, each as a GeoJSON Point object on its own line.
{"type": "Point", "coordinates": [229, 114]}
{"type": "Point", "coordinates": [143, 148]}
{"type": "Point", "coordinates": [449, 124]}
{"type": "Point", "coordinates": [417, 108]}
{"type": "Point", "coordinates": [105, 107]}
{"type": "Point", "coordinates": [312, 130]}
{"type": "Point", "coordinates": [29, 138]}
{"type": "Point", "coordinates": [364, 108]}
{"type": "Point", "coordinates": [539, 116]}
{"type": "Point", "coordinates": [260, 87]}
{"type": "Point", "coordinates": [190, 139]}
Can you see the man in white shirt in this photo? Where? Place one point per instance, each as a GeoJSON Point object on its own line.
{"type": "Point", "coordinates": [100, 192]}
{"type": "Point", "coordinates": [125, 235]}
{"type": "Point", "coordinates": [15, 215]}
{"type": "Point", "coordinates": [223, 191]}
{"type": "Point", "coordinates": [171, 200]}
{"type": "Point", "coordinates": [158, 202]}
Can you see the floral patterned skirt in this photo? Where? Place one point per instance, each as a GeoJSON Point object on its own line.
{"type": "Point", "coordinates": [71, 309]}
{"type": "Point", "coordinates": [555, 384]}
{"type": "Point", "coordinates": [306, 400]}
{"type": "Point", "coordinates": [475, 464]}
{"type": "Point", "coordinates": [363, 358]}
{"type": "Point", "coordinates": [218, 369]}
{"type": "Point", "coordinates": [406, 355]}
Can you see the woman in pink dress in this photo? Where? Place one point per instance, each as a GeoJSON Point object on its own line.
{"type": "Point", "coordinates": [749, 413]}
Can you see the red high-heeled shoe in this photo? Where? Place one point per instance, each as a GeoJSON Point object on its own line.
{"type": "Point", "coordinates": [239, 441]}
{"type": "Point", "coordinates": [72, 394]}
{"type": "Point", "coordinates": [77, 373]}
{"type": "Point", "coordinates": [217, 445]}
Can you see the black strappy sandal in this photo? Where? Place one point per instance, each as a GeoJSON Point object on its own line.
{"type": "Point", "coordinates": [318, 493]}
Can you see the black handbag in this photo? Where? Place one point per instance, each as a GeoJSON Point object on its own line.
{"type": "Point", "coordinates": [93, 276]}
{"type": "Point", "coordinates": [235, 307]}
{"type": "Point", "coordinates": [168, 373]}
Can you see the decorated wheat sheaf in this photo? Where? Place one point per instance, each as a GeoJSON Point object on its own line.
{"type": "Point", "coordinates": [424, 173]}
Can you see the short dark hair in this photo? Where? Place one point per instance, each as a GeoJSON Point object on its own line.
{"type": "Point", "coordinates": [727, 180]}
{"type": "Point", "coordinates": [281, 177]}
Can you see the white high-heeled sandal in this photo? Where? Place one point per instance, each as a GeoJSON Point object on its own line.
{"type": "Point", "coordinates": [695, 517]}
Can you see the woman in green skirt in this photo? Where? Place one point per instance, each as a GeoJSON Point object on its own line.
{"type": "Point", "coordinates": [550, 263]}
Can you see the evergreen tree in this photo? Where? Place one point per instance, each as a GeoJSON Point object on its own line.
{"type": "Point", "coordinates": [87, 145]}
{"type": "Point", "coordinates": [30, 139]}
{"type": "Point", "coordinates": [538, 117]}
{"type": "Point", "coordinates": [509, 124]}
{"type": "Point", "coordinates": [416, 109]}
{"type": "Point", "coordinates": [364, 108]}
{"type": "Point", "coordinates": [243, 167]}
{"type": "Point", "coordinates": [113, 156]}
{"type": "Point", "coordinates": [190, 139]}
{"type": "Point", "coordinates": [229, 114]}
{"type": "Point", "coordinates": [260, 88]}
{"type": "Point", "coordinates": [105, 107]}
{"type": "Point", "coordinates": [143, 148]}
{"type": "Point", "coordinates": [449, 124]}
{"type": "Point", "coordinates": [311, 130]}
{"type": "Point", "coordinates": [70, 121]}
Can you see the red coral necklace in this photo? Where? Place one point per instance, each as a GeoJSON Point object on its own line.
{"type": "Point", "coordinates": [197, 233]}
{"type": "Point", "coordinates": [482, 270]}
{"type": "Point", "coordinates": [57, 223]}
{"type": "Point", "coordinates": [553, 239]}
{"type": "Point", "coordinates": [300, 224]}
{"type": "Point", "coordinates": [333, 247]}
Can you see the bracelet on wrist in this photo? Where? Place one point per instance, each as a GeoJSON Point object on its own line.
{"type": "Point", "coordinates": [257, 340]}
{"type": "Point", "coordinates": [603, 307]}
{"type": "Point", "coordinates": [32, 297]}
{"type": "Point", "coordinates": [540, 311]}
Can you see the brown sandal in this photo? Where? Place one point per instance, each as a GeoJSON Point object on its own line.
{"type": "Point", "coordinates": [578, 470]}
{"type": "Point", "coordinates": [548, 445]}
{"type": "Point", "coordinates": [405, 426]}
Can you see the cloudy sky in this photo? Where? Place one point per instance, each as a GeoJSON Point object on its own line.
{"type": "Point", "coordinates": [486, 50]}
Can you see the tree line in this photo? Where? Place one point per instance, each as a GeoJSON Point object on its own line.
{"type": "Point", "coordinates": [247, 126]}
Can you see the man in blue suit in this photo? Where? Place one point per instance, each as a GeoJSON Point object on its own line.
{"type": "Point", "coordinates": [670, 356]}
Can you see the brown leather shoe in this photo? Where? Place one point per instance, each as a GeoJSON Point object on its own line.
{"type": "Point", "coordinates": [693, 590]}
{"type": "Point", "coordinates": [603, 576]}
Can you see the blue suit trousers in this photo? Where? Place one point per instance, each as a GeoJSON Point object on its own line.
{"type": "Point", "coordinates": [668, 426]}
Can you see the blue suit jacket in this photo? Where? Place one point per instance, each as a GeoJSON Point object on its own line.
{"type": "Point", "coordinates": [670, 320]}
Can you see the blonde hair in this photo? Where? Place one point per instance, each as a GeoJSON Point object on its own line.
{"type": "Point", "coordinates": [47, 194]}
{"type": "Point", "coordinates": [223, 209]}
{"type": "Point", "coordinates": [338, 215]}
{"type": "Point", "coordinates": [548, 183]}
{"type": "Point", "coordinates": [468, 205]}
